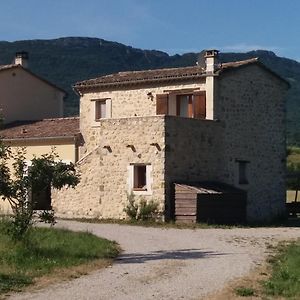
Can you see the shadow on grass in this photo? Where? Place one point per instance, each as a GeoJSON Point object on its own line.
{"type": "Point", "coordinates": [181, 254]}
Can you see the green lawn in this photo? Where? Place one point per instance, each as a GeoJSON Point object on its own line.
{"type": "Point", "coordinates": [48, 251]}
{"type": "Point", "coordinates": [285, 274]}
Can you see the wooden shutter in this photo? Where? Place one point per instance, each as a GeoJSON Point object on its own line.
{"type": "Point", "coordinates": [162, 104]}
{"type": "Point", "coordinates": [199, 105]}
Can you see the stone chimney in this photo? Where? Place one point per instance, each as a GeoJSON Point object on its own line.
{"type": "Point", "coordinates": [211, 60]}
{"type": "Point", "coordinates": [21, 58]}
{"type": "Point", "coordinates": [211, 65]}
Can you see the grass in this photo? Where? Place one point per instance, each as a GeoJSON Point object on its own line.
{"type": "Point", "coordinates": [244, 291]}
{"type": "Point", "coordinates": [285, 273]}
{"type": "Point", "coordinates": [48, 251]}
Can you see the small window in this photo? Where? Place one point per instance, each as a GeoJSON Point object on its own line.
{"type": "Point", "coordinates": [243, 172]}
{"type": "Point", "coordinates": [100, 109]}
{"type": "Point", "coordinates": [139, 178]}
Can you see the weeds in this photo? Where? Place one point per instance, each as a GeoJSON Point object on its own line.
{"type": "Point", "coordinates": [244, 291]}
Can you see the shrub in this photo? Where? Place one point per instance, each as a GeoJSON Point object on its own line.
{"type": "Point", "coordinates": [131, 208]}
{"type": "Point", "coordinates": [148, 211]}
{"type": "Point", "coordinates": [143, 210]}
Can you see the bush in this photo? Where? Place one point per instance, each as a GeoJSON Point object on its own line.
{"type": "Point", "coordinates": [142, 211]}
{"type": "Point", "coordinates": [148, 211]}
{"type": "Point", "coordinates": [131, 208]}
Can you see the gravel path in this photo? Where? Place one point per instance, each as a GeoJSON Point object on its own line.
{"type": "Point", "coordinates": [167, 263]}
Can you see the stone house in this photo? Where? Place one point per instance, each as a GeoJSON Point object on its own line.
{"type": "Point", "coordinates": [143, 131]}
{"type": "Point", "coordinates": [27, 96]}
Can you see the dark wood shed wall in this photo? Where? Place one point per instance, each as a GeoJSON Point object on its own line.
{"type": "Point", "coordinates": [227, 207]}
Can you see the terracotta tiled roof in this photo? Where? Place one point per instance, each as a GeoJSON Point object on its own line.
{"type": "Point", "coordinates": [47, 128]}
{"type": "Point", "coordinates": [12, 66]}
{"type": "Point", "coordinates": [5, 67]}
{"type": "Point", "coordinates": [149, 76]}
{"type": "Point", "coordinates": [134, 77]}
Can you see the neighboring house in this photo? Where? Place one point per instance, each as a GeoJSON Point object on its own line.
{"type": "Point", "coordinates": [60, 135]}
{"type": "Point", "coordinates": [144, 131]}
{"type": "Point", "coordinates": [25, 95]}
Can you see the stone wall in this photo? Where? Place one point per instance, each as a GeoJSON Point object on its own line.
{"type": "Point", "coordinates": [102, 192]}
{"type": "Point", "coordinates": [194, 151]}
{"type": "Point", "coordinates": [125, 103]}
{"type": "Point", "coordinates": [251, 104]}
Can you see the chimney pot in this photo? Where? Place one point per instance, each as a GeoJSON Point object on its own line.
{"type": "Point", "coordinates": [211, 60]}
{"type": "Point", "coordinates": [21, 58]}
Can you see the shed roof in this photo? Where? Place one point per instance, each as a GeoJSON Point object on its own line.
{"type": "Point", "coordinates": [209, 187]}
{"type": "Point", "coordinates": [47, 128]}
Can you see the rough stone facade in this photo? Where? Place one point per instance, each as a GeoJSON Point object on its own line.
{"type": "Point", "coordinates": [250, 102]}
{"type": "Point", "coordinates": [102, 192]}
{"type": "Point", "coordinates": [247, 125]}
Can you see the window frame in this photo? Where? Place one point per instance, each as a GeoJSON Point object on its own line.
{"type": "Point", "coordinates": [148, 178]}
{"type": "Point", "coordinates": [93, 110]}
{"type": "Point", "coordinates": [190, 107]}
{"type": "Point", "coordinates": [138, 172]}
{"type": "Point", "coordinates": [98, 109]}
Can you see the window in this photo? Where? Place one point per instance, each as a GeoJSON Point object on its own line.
{"type": "Point", "coordinates": [185, 105]}
{"type": "Point", "coordinates": [242, 171]}
{"type": "Point", "coordinates": [100, 109]}
{"type": "Point", "coordinates": [139, 178]}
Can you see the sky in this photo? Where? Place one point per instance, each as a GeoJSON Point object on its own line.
{"type": "Point", "coordinates": [172, 26]}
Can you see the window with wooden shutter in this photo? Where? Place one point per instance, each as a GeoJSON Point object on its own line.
{"type": "Point", "coordinates": [162, 104]}
{"type": "Point", "coordinates": [199, 105]}
{"type": "Point", "coordinates": [184, 106]}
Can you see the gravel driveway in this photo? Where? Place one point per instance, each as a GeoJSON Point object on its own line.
{"type": "Point", "coordinates": [167, 263]}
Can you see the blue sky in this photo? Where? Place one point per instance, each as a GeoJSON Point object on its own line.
{"type": "Point", "coordinates": [173, 26]}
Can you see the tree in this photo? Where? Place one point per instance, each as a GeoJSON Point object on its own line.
{"type": "Point", "coordinates": [18, 182]}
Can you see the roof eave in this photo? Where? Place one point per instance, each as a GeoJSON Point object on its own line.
{"type": "Point", "coordinates": [80, 88]}
{"type": "Point", "coordinates": [62, 137]}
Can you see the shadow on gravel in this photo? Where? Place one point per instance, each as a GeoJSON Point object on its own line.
{"type": "Point", "coordinates": [183, 254]}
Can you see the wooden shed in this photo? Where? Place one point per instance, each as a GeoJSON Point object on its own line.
{"type": "Point", "coordinates": [210, 203]}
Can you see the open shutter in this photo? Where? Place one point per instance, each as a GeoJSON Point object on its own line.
{"type": "Point", "coordinates": [199, 105]}
{"type": "Point", "coordinates": [162, 104]}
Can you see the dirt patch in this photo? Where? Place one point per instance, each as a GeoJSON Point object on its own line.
{"type": "Point", "coordinates": [251, 282]}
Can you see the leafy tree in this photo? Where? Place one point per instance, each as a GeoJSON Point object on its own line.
{"type": "Point", "coordinates": [18, 182]}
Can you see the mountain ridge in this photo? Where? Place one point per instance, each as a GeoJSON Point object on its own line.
{"type": "Point", "coordinates": [67, 60]}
